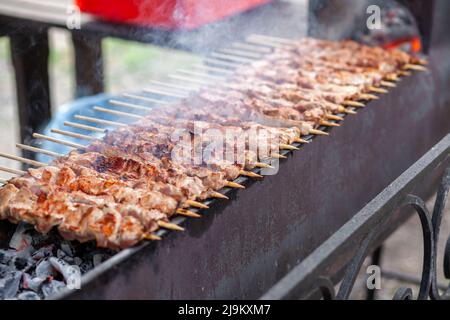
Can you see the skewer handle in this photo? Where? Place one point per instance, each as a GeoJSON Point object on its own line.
{"type": "Point", "coordinates": [63, 142]}
{"type": "Point", "coordinates": [38, 150]}
{"type": "Point", "coordinates": [23, 160]}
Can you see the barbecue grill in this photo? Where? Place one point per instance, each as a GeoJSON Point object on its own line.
{"type": "Point", "coordinates": [316, 191]}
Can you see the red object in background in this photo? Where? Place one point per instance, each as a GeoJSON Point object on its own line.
{"type": "Point", "coordinates": [413, 45]}
{"type": "Point", "coordinates": [171, 14]}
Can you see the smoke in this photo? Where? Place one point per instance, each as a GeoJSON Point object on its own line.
{"type": "Point", "coordinates": [336, 19]}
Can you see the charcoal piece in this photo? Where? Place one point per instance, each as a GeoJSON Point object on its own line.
{"type": "Point", "coordinates": [31, 283]}
{"type": "Point", "coordinates": [43, 252]}
{"type": "Point", "coordinates": [9, 285]}
{"type": "Point", "coordinates": [60, 254]}
{"type": "Point", "coordinates": [78, 261]}
{"type": "Point", "coordinates": [6, 256]}
{"type": "Point", "coordinates": [67, 248]}
{"type": "Point", "coordinates": [21, 263]}
{"type": "Point", "coordinates": [86, 266]}
{"type": "Point", "coordinates": [69, 260]}
{"type": "Point", "coordinates": [20, 239]}
{"type": "Point", "coordinates": [67, 270]}
{"type": "Point", "coordinates": [99, 258]}
{"type": "Point", "coordinates": [5, 269]}
{"type": "Point", "coordinates": [45, 269]}
{"type": "Point", "coordinates": [52, 288]}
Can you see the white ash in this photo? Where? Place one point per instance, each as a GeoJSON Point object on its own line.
{"type": "Point", "coordinates": [37, 266]}
{"type": "Point", "coordinates": [21, 239]}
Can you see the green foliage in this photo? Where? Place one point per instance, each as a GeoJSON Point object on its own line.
{"type": "Point", "coordinates": [4, 48]}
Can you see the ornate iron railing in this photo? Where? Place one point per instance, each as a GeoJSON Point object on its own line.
{"type": "Point", "coordinates": [312, 278]}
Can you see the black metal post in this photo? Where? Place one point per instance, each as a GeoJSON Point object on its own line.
{"type": "Point", "coordinates": [30, 52]}
{"type": "Point", "coordinates": [88, 64]}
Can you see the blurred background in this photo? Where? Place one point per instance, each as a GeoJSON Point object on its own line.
{"type": "Point", "coordinates": [128, 66]}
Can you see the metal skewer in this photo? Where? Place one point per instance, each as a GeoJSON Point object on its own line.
{"type": "Point", "coordinates": [23, 160]}
{"type": "Point", "coordinates": [148, 99]}
{"type": "Point", "coordinates": [230, 57]}
{"type": "Point", "coordinates": [165, 93]}
{"type": "Point", "coordinates": [63, 142]}
{"type": "Point", "coordinates": [415, 67]}
{"type": "Point", "coordinates": [367, 96]}
{"type": "Point", "coordinates": [13, 171]}
{"type": "Point", "coordinates": [178, 87]}
{"type": "Point", "coordinates": [152, 237]}
{"type": "Point", "coordinates": [222, 69]}
{"type": "Point", "coordinates": [354, 104]}
{"type": "Point", "coordinates": [83, 127]}
{"type": "Point", "coordinates": [118, 103]}
{"type": "Point", "coordinates": [275, 39]}
{"type": "Point", "coordinates": [241, 53]}
{"type": "Point", "coordinates": [38, 150]}
{"type": "Point", "coordinates": [201, 74]}
{"type": "Point", "coordinates": [198, 81]}
{"type": "Point", "coordinates": [213, 69]}
{"type": "Point", "coordinates": [250, 47]}
{"type": "Point", "coordinates": [73, 134]}
{"type": "Point", "coordinates": [169, 226]}
{"type": "Point", "coordinates": [388, 84]}
{"type": "Point", "coordinates": [187, 213]}
{"type": "Point", "coordinates": [118, 113]}
{"type": "Point", "coordinates": [377, 90]}
{"type": "Point", "coordinates": [173, 85]}
{"type": "Point", "coordinates": [228, 64]}
{"type": "Point", "coordinates": [138, 97]}
{"type": "Point", "coordinates": [100, 121]}
{"type": "Point", "coordinates": [266, 43]}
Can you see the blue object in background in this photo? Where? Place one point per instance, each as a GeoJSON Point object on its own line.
{"type": "Point", "coordinates": [82, 106]}
{"type": "Point", "coordinates": [66, 112]}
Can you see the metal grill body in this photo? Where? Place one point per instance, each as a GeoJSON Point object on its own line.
{"type": "Point", "coordinates": [242, 247]}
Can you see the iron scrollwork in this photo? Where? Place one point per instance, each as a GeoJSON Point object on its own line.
{"type": "Point", "coordinates": [430, 234]}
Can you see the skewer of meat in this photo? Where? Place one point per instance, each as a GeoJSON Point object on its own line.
{"type": "Point", "coordinates": [174, 111]}
{"type": "Point", "coordinates": [88, 185]}
{"type": "Point", "coordinates": [161, 137]}
{"type": "Point", "coordinates": [331, 108]}
{"type": "Point", "coordinates": [319, 48]}
{"type": "Point", "coordinates": [310, 75]}
{"type": "Point", "coordinates": [228, 107]}
{"type": "Point", "coordinates": [352, 47]}
{"type": "Point", "coordinates": [311, 109]}
{"type": "Point", "coordinates": [117, 124]}
{"type": "Point", "coordinates": [249, 157]}
{"type": "Point", "coordinates": [226, 183]}
{"type": "Point", "coordinates": [76, 214]}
